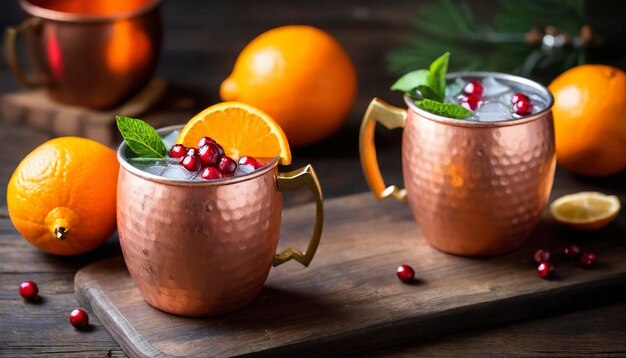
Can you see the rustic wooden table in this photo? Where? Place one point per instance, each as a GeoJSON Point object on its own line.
{"type": "Point", "coordinates": [194, 61]}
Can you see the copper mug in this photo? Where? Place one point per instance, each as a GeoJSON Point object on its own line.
{"type": "Point", "coordinates": [92, 53]}
{"type": "Point", "coordinates": [206, 248]}
{"type": "Point", "coordinates": [475, 188]}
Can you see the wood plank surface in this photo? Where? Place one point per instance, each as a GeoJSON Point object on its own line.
{"type": "Point", "coordinates": [349, 299]}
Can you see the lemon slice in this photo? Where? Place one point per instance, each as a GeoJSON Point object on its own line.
{"type": "Point", "coordinates": [586, 210]}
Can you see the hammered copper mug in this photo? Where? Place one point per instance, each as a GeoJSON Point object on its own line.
{"type": "Point", "coordinates": [92, 53]}
{"type": "Point", "coordinates": [475, 188]}
{"type": "Point", "coordinates": [206, 248]}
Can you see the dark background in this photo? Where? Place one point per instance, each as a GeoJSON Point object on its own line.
{"type": "Point", "coordinates": [203, 38]}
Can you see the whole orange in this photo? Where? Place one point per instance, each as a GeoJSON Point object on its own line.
{"type": "Point", "coordinates": [61, 197]}
{"type": "Point", "coordinates": [590, 119]}
{"type": "Point", "coordinates": [300, 76]}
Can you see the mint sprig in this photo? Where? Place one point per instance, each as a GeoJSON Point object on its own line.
{"type": "Point", "coordinates": [141, 137]}
{"type": "Point", "coordinates": [428, 89]}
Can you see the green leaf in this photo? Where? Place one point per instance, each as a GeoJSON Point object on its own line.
{"type": "Point", "coordinates": [449, 110]}
{"type": "Point", "coordinates": [411, 81]}
{"type": "Point", "coordinates": [428, 93]}
{"type": "Point", "coordinates": [141, 137]}
{"type": "Point", "coordinates": [437, 76]}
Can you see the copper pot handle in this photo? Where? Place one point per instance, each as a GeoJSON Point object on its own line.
{"type": "Point", "coordinates": [10, 53]}
{"type": "Point", "coordinates": [303, 177]}
{"type": "Point", "coordinates": [391, 117]}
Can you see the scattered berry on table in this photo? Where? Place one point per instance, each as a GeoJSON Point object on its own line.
{"type": "Point", "coordinates": [544, 270]}
{"type": "Point", "coordinates": [588, 259]}
{"type": "Point", "coordinates": [542, 255]}
{"type": "Point", "coordinates": [79, 318]}
{"type": "Point", "coordinates": [571, 252]}
{"type": "Point", "coordinates": [405, 273]}
{"type": "Point", "coordinates": [29, 290]}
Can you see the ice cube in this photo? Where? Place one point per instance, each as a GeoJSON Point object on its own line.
{"type": "Point", "coordinates": [493, 88]}
{"type": "Point", "coordinates": [155, 169]}
{"type": "Point", "coordinates": [170, 139]}
{"type": "Point", "coordinates": [243, 170]}
{"type": "Point", "coordinates": [176, 172]}
{"type": "Point", "coordinates": [493, 111]}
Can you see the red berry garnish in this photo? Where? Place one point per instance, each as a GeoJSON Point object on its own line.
{"type": "Point", "coordinates": [542, 255]}
{"type": "Point", "coordinates": [405, 273]}
{"type": "Point", "coordinates": [191, 163]}
{"type": "Point", "coordinates": [29, 290]}
{"type": "Point", "coordinates": [228, 175]}
{"type": "Point", "coordinates": [250, 161]}
{"type": "Point", "coordinates": [79, 318]}
{"type": "Point", "coordinates": [522, 105]}
{"type": "Point", "coordinates": [571, 251]}
{"type": "Point", "coordinates": [227, 165]}
{"type": "Point", "coordinates": [192, 152]}
{"type": "Point", "coordinates": [471, 101]}
{"type": "Point", "coordinates": [211, 173]}
{"type": "Point", "coordinates": [544, 270]}
{"type": "Point", "coordinates": [204, 141]}
{"type": "Point", "coordinates": [178, 151]}
{"type": "Point", "coordinates": [589, 260]}
{"type": "Point", "coordinates": [209, 154]}
{"type": "Point", "coordinates": [220, 150]}
{"type": "Point", "coordinates": [474, 87]}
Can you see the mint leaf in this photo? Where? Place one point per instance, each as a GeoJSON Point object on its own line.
{"type": "Point", "coordinates": [427, 93]}
{"type": "Point", "coordinates": [450, 110]}
{"type": "Point", "coordinates": [141, 137]}
{"type": "Point", "coordinates": [411, 81]}
{"type": "Point", "coordinates": [437, 76]}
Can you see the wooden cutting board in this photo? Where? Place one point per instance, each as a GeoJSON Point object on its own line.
{"type": "Point", "coordinates": [350, 300]}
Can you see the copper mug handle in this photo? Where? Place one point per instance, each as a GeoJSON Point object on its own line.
{"type": "Point", "coordinates": [303, 177]}
{"type": "Point", "coordinates": [10, 53]}
{"type": "Point", "coordinates": [391, 117]}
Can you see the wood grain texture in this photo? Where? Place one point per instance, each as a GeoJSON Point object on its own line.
{"type": "Point", "coordinates": [350, 300]}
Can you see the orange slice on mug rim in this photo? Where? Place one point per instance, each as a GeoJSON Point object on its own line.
{"type": "Point", "coordinates": [241, 129]}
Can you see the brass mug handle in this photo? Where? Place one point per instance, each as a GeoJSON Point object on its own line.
{"type": "Point", "coordinates": [303, 177]}
{"type": "Point", "coordinates": [391, 117]}
{"type": "Point", "coordinates": [10, 53]}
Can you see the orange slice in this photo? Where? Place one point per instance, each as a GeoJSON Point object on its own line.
{"type": "Point", "coordinates": [241, 129]}
{"type": "Point", "coordinates": [585, 210]}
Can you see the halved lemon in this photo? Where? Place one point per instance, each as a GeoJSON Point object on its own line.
{"type": "Point", "coordinates": [586, 210]}
{"type": "Point", "coordinates": [241, 129]}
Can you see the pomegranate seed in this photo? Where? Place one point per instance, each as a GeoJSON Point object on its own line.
{"type": "Point", "coordinates": [79, 318]}
{"type": "Point", "coordinates": [589, 260]}
{"type": "Point", "coordinates": [522, 105]}
{"type": "Point", "coordinates": [204, 141]}
{"type": "Point", "coordinates": [29, 290]}
{"type": "Point", "coordinates": [220, 150]}
{"type": "Point", "coordinates": [227, 165]}
{"type": "Point", "coordinates": [211, 173]}
{"type": "Point", "coordinates": [542, 255]}
{"type": "Point", "coordinates": [209, 154]}
{"type": "Point", "coordinates": [405, 273]}
{"type": "Point", "coordinates": [249, 161]}
{"type": "Point", "coordinates": [544, 270]}
{"type": "Point", "coordinates": [178, 151]}
{"type": "Point", "coordinates": [192, 152]}
{"type": "Point", "coordinates": [191, 163]}
{"type": "Point", "coordinates": [471, 102]}
{"type": "Point", "coordinates": [474, 87]}
{"type": "Point", "coordinates": [571, 251]}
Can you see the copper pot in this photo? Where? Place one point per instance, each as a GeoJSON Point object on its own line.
{"type": "Point", "coordinates": [475, 189]}
{"type": "Point", "coordinates": [92, 53]}
{"type": "Point", "coordinates": [206, 248]}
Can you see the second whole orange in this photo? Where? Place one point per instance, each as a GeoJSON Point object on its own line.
{"type": "Point", "coordinates": [300, 76]}
{"type": "Point", "coordinates": [590, 119]}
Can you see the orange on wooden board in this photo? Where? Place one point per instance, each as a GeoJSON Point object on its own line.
{"type": "Point", "coordinates": [241, 129]}
{"type": "Point", "coordinates": [590, 119]}
{"type": "Point", "coordinates": [62, 195]}
{"type": "Point", "coordinates": [300, 76]}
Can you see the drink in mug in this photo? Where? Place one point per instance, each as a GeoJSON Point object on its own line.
{"type": "Point", "coordinates": [476, 186]}
{"type": "Point", "coordinates": [198, 246]}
